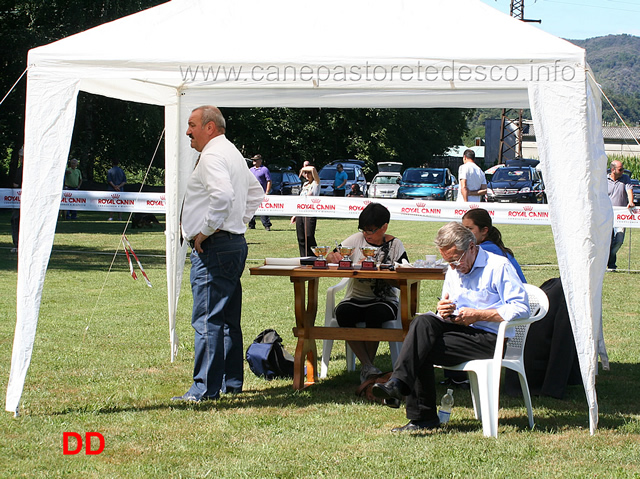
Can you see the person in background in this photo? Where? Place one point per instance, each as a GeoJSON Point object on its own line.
{"type": "Point", "coordinates": [620, 193]}
{"type": "Point", "coordinates": [304, 164]}
{"type": "Point", "coordinates": [473, 183]}
{"type": "Point", "coordinates": [264, 177]}
{"type": "Point", "coordinates": [480, 290]}
{"type": "Point", "coordinates": [355, 190]}
{"type": "Point", "coordinates": [306, 225]}
{"type": "Point", "coordinates": [340, 181]}
{"type": "Point", "coordinates": [221, 197]}
{"type": "Point", "coordinates": [116, 180]}
{"type": "Point", "coordinates": [15, 214]}
{"type": "Point", "coordinates": [370, 301]}
{"type": "Point", "coordinates": [72, 181]}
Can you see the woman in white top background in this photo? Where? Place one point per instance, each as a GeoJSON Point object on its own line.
{"type": "Point", "coordinates": [306, 225]}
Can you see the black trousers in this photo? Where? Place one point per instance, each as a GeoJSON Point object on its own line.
{"type": "Point", "coordinates": [306, 231]}
{"type": "Point", "coordinates": [431, 341]}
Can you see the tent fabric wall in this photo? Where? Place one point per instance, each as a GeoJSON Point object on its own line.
{"type": "Point", "coordinates": [152, 56]}
{"type": "Point", "coordinates": [570, 138]}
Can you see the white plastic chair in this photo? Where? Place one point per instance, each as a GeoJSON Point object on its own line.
{"type": "Point", "coordinates": [484, 374]}
{"type": "Point", "coordinates": [330, 321]}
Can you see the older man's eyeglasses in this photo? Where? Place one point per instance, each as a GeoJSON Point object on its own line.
{"type": "Point", "coordinates": [458, 262]}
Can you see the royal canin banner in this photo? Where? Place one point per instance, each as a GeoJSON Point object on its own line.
{"type": "Point", "coordinates": [323, 207]}
{"type": "Point", "coordinates": [95, 201]}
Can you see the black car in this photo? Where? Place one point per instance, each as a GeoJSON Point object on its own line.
{"type": "Point", "coordinates": [516, 184]}
{"type": "Point", "coordinates": [285, 182]}
{"type": "Point", "coordinates": [636, 191]}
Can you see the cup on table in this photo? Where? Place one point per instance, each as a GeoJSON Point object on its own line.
{"type": "Point", "coordinates": [430, 260]}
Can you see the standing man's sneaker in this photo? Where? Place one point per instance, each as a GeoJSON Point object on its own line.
{"type": "Point", "coordinates": [417, 426]}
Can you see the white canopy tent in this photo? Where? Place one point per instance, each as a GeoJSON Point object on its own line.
{"type": "Point", "coordinates": [292, 53]}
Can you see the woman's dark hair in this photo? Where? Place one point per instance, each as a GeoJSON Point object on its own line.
{"type": "Point", "coordinates": [375, 214]}
{"type": "Point", "coordinates": [482, 219]}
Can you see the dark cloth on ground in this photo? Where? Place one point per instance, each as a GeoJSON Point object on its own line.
{"type": "Point", "coordinates": [550, 356]}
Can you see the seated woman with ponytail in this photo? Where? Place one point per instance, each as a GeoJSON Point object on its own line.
{"type": "Point", "coordinates": [488, 236]}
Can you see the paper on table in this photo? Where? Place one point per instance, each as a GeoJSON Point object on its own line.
{"type": "Point", "coordinates": [279, 266]}
{"type": "Point", "coordinates": [282, 261]}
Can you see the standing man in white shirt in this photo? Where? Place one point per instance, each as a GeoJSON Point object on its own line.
{"type": "Point", "coordinates": [222, 196]}
{"type": "Point", "coordinates": [473, 183]}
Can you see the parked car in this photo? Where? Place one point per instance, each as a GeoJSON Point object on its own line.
{"type": "Point", "coordinates": [516, 184]}
{"type": "Point", "coordinates": [386, 183]}
{"type": "Point", "coordinates": [354, 171]}
{"type": "Point", "coordinates": [428, 184]}
{"type": "Point", "coordinates": [636, 191]}
{"type": "Point", "coordinates": [285, 182]}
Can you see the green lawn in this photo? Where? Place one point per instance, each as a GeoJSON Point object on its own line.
{"type": "Point", "coordinates": [101, 363]}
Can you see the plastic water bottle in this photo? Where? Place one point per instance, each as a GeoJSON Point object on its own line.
{"type": "Point", "coordinates": [446, 405]}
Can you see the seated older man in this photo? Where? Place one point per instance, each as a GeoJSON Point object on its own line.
{"type": "Point", "coordinates": [480, 290]}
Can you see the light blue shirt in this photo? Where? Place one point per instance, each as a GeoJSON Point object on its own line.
{"type": "Point", "coordinates": [491, 247]}
{"type": "Point", "coordinates": [492, 283]}
{"type": "Point", "coordinates": [339, 178]}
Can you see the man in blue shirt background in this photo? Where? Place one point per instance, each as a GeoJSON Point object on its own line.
{"type": "Point", "coordinates": [264, 177]}
{"type": "Point", "coordinates": [340, 181]}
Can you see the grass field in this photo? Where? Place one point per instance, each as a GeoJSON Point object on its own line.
{"type": "Point", "coordinates": [101, 363]}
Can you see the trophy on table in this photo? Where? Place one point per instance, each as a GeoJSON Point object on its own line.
{"type": "Point", "coordinates": [345, 262]}
{"type": "Point", "coordinates": [320, 251]}
{"type": "Point", "coordinates": [368, 252]}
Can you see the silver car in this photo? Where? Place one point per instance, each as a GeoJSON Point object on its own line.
{"type": "Point", "coordinates": [386, 183]}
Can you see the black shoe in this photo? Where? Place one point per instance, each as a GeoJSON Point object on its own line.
{"type": "Point", "coordinates": [252, 227]}
{"type": "Point", "coordinates": [268, 228]}
{"type": "Point", "coordinates": [391, 402]}
{"type": "Point", "coordinates": [388, 390]}
{"type": "Point", "coordinates": [414, 426]}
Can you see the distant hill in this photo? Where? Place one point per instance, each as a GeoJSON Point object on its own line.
{"type": "Point", "coordinates": [615, 61]}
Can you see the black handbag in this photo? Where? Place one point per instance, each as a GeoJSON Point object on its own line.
{"type": "Point", "coordinates": [267, 357]}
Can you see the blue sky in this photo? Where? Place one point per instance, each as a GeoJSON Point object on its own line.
{"type": "Point", "coordinates": [580, 19]}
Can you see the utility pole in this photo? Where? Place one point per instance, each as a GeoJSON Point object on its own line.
{"type": "Point", "coordinates": [511, 127]}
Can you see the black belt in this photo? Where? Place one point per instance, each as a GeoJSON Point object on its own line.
{"type": "Point", "coordinates": [217, 234]}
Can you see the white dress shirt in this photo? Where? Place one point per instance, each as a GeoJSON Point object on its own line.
{"type": "Point", "coordinates": [222, 193]}
{"type": "Point", "coordinates": [492, 283]}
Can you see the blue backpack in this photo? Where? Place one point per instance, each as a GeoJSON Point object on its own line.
{"type": "Point", "coordinates": [267, 357]}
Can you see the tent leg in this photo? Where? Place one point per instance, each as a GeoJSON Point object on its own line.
{"type": "Point", "coordinates": [629, 268]}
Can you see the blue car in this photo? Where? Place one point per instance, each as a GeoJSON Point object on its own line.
{"type": "Point", "coordinates": [428, 184]}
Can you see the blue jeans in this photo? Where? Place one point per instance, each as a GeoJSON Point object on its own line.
{"type": "Point", "coordinates": [217, 304]}
{"type": "Point", "coordinates": [617, 238]}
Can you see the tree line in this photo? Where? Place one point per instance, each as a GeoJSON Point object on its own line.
{"type": "Point", "coordinates": [107, 128]}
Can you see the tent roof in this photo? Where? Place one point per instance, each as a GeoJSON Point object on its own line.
{"type": "Point", "coordinates": [161, 44]}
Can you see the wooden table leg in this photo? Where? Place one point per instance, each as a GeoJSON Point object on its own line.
{"type": "Point", "coordinates": [305, 311]}
{"type": "Point", "coordinates": [409, 298]}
